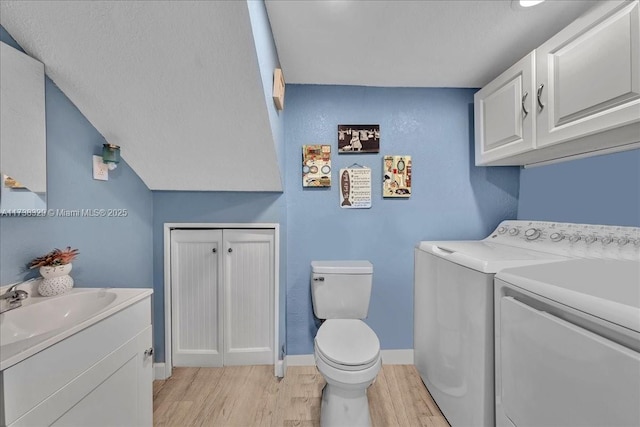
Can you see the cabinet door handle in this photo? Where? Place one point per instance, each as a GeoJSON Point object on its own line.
{"type": "Point", "coordinates": [230, 250]}
{"type": "Point", "coordinates": [540, 105]}
{"type": "Point", "coordinates": [524, 110]}
{"type": "Point", "coordinates": [214, 250]}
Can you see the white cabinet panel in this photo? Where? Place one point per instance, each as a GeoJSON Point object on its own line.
{"type": "Point", "coordinates": [590, 74]}
{"type": "Point", "coordinates": [249, 275]}
{"type": "Point", "coordinates": [107, 383]}
{"type": "Point", "coordinates": [196, 295]}
{"type": "Point", "coordinates": [577, 95]}
{"type": "Point", "coordinates": [504, 113]}
{"type": "Point", "coordinates": [222, 297]}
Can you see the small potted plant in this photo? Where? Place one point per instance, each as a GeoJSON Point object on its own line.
{"type": "Point", "coordinates": [55, 267]}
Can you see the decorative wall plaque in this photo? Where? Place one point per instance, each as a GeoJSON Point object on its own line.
{"type": "Point", "coordinates": [358, 139]}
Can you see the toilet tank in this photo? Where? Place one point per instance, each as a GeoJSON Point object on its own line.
{"type": "Point", "coordinates": [341, 289]}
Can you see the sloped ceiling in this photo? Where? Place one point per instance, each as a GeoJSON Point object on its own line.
{"type": "Point", "coordinates": [412, 43]}
{"type": "Point", "coordinates": [176, 84]}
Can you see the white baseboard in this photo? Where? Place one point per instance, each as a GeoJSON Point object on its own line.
{"type": "Point", "coordinates": [397, 357]}
{"type": "Point", "coordinates": [159, 372]}
{"type": "Point", "coordinates": [389, 357]}
{"type": "Point", "coordinates": [301, 360]}
{"type": "Point", "coordinates": [281, 368]}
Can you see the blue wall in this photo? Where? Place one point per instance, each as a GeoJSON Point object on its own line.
{"type": "Point", "coordinates": [596, 190]}
{"type": "Point", "coordinates": [227, 207]}
{"type": "Point", "coordinates": [452, 199]}
{"type": "Point", "coordinates": [212, 207]}
{"type": "Point", "coordinates": [268, 62]}
{"type": "Point", "coordinates": [114, 252]}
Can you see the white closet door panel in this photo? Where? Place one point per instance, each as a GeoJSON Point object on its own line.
{"type": "Point", "coordinates": [196, 312]}
{"type": "Point", "coordinates": [249, 264]}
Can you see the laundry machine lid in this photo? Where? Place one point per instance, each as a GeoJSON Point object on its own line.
{"type": "Point", "coordinates": [487, 257]}
{"type": "Point", "coordinates": [348, 342]}
{"type": "Point", "coordinates": [605, 288]}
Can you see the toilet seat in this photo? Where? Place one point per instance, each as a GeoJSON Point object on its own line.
{"type": "Point", "coordinates": [347, 344]}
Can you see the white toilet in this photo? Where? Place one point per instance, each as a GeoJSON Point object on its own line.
{"type": "Point", "coordinates": [347, 351]}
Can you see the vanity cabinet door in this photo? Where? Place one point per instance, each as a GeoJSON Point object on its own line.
{"type": "Point", "coordinates": [124, 398]}
{"type": "Point", "coordinates": [99, 376]}
{"type": "Point", "coordinates": [505, 114]}
{"type": "Point", "coordinates": [588, 75]}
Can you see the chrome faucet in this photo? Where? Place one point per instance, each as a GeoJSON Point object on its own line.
{"type": "Point", "coordinates": [14, 296]}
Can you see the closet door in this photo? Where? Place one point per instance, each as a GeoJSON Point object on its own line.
{"type": "Point", "coordinates": [196, 298]}
{"type": "Point", "coordinates": [249, 296]}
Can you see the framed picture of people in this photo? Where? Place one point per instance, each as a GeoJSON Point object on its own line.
{"type": "Point", "coordinates": [358, 139]}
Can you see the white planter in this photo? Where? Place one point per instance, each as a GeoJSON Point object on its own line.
{"type": "Point", "coordinates": [56, 280]}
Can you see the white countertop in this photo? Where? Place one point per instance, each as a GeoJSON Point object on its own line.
{"type": "Point", "coordinates": [15, 352]}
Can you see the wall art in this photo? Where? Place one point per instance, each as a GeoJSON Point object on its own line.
{"type": "Point", "coordinates": [316, 165]}
{"type": "Point", "coordinates": [358, 139]}
{"type": "Point", "coordinates": [355, 187]}
{"type": "Point", "coordinates": [396, 176]}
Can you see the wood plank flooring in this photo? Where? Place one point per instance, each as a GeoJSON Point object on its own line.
{"type": "Point", "coordinates": [251, 396]}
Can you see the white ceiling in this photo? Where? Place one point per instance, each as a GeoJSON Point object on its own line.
{"type": "Point", "coordinates": [177, 83]}
{"type": "Point", "coordinates": [411, 43]}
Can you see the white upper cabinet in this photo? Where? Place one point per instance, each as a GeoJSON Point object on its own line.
{"type": "Point", "coordinates": [583, 99]}
{"type": "Point", "coordinates": [589, 73]}
{"type": "Point", "coordinates": [505, 113]}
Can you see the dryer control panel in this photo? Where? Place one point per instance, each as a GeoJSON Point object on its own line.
{"type": "Point", "coordinates": [569, 239]}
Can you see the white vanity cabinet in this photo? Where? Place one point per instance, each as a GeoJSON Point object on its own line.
{"type": "Point", "coordinates": [100, 376]}
{"type": "Point", "coordinates": [505, 114]}
{"type": "Point", "coordinates": [586, 95]}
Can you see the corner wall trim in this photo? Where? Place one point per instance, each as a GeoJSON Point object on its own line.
{"type": "Point", "coordinates": [389, 357]}
{"type": "Point", "coordinates": [159, 372]}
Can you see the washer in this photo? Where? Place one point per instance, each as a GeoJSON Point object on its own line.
{"type": "Point", "coordinates": [567, 344]}
{"type": "Point", "coordinates": [454, 303]}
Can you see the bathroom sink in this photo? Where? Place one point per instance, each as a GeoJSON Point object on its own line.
{"type": "Point", "coordinates": [54, 313]}
{"type": "Point", "coordinates": [44, 321]}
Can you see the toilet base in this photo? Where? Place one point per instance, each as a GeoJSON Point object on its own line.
{"type": "Point", "coordinates": [344, 407]}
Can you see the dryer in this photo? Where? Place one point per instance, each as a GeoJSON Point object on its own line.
{"type": "Point", "coordinates": [454, 303]}
{"type": "Point", "coordinates": [567, 344]}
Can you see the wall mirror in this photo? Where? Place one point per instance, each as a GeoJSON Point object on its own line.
{"type": "Point", "coordinates": [23, 152]}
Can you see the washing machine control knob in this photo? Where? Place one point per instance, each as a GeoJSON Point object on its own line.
{"type": "Point", "coordinates": [532, 234]}
{"type": "Point", "coordinates": [607, 240]}
{"type": "Point", "coordinates": [502, 230]}
{"type": "Point", "coordinates": [590, 239]}
{"type": "Point", "coordinates": [623, 241]}
{"type": "Point", "coordinates": [556, 237]}
{"type": "Point", "coordinates": [575, 238]}
{"type": "Point", "coordinates": [514, 231]}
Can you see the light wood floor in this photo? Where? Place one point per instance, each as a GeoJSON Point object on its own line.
{"type": "Point", "coordinates": [252, 396]}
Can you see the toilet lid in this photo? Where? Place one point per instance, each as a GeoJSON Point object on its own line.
{"type": "Point", "coordinates": [347, 342]}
